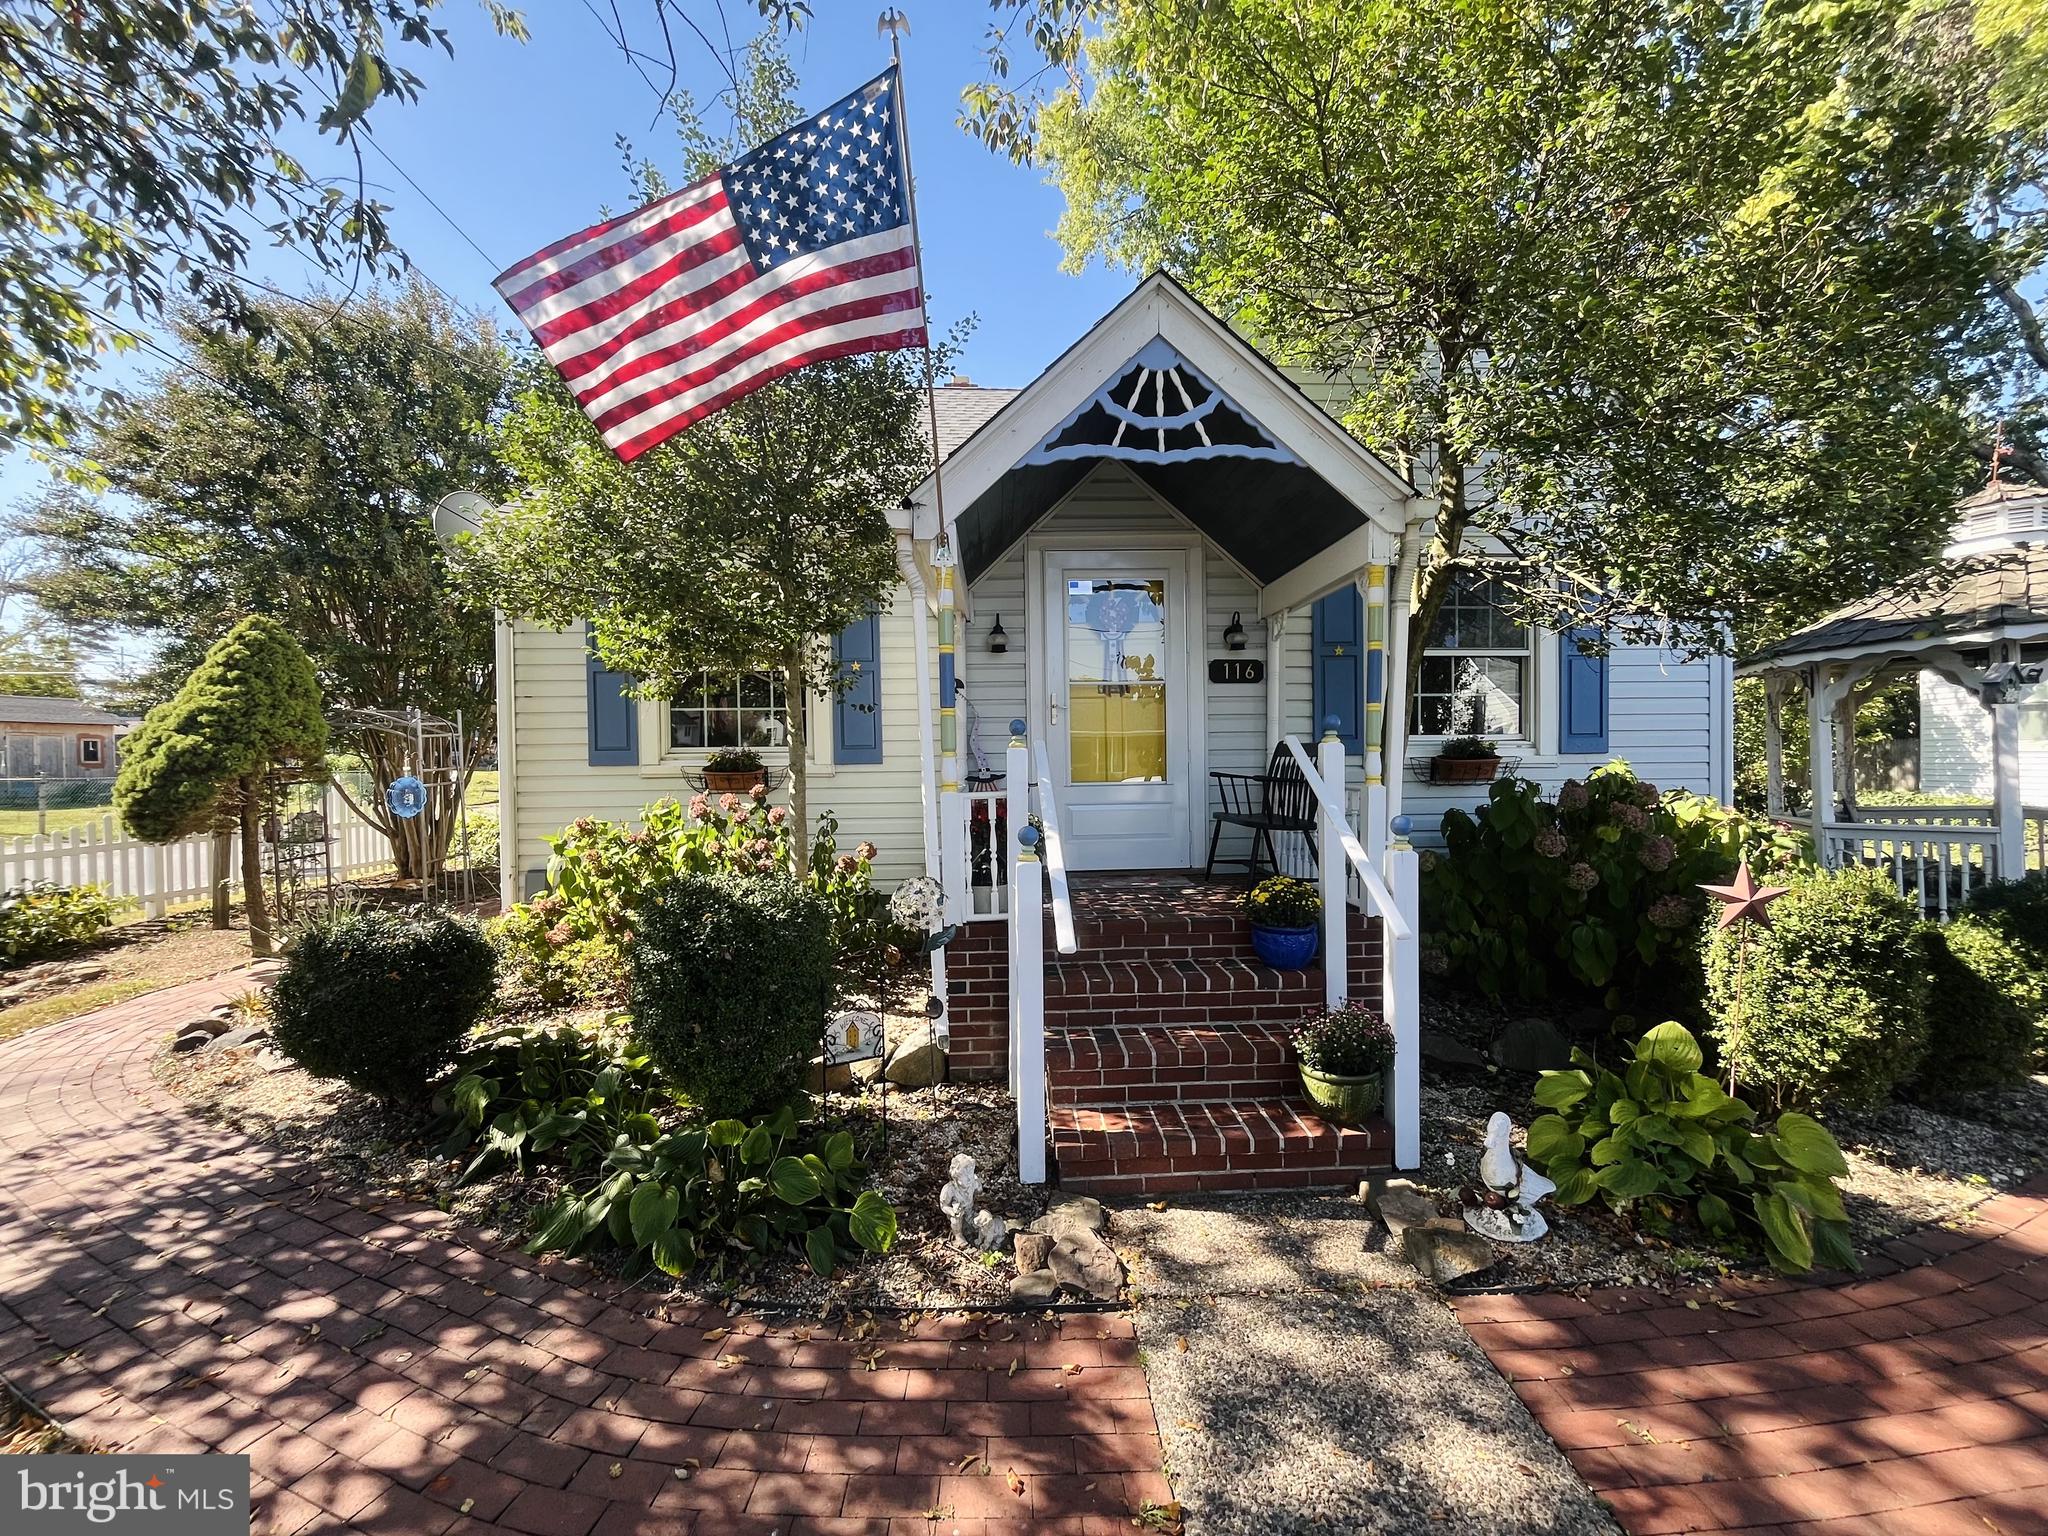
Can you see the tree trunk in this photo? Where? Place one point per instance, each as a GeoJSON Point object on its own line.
{"type": "Point", "coordinates": [1433, 575]}
{"type": "Point", "coordinates": [223, 877]}
{"type": "Point", "coordinates": [253, 901]}
{"type": "Point", "coordinates": [796, 692]}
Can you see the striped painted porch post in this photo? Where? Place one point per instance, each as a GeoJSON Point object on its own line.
{"type": "Point", "coordinates": [952, 806]}
{"type": "Point", "coordinates": [1374, 832]}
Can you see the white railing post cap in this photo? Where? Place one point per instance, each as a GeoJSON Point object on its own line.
{"type": "Point", "coordinates": [1330, 724]}
{"type": "Point", "coordinates": [1027, 843]}
{"type": "Point", "coordinates": [1401, 826]}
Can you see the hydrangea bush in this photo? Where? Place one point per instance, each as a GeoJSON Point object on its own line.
{"type": "Point", "coordinates": [569, 942]}
{"type": "Point", "coordinates": [1595, 891]}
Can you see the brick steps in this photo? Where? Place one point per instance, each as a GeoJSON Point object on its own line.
{"type": "Point", "coordinates": [1089, 991]}
{"type": "Point", "coordinates": [1243, 1144]}
{"type": "Point", "coordinates": [1168, 1063]}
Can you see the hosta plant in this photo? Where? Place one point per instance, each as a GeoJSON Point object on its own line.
{"type": "Point", "coordinates": [566, 1093]}
{"type": "Point", "coordinates": [727, 1193]}
{"type": "Point", "coordinates": [1661, 1142]}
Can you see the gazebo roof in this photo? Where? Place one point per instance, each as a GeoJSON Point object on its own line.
{"type": "Point", "coordinates": [1958, 602]}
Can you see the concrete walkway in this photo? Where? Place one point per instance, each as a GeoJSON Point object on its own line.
{"type": "Point", "coordinates": [1911, 1402]}
{"type": "Point", "coordinates": [169, 1285]}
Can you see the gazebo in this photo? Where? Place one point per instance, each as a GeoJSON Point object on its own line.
{"type": "Point", "coordinates": [1979, 620]}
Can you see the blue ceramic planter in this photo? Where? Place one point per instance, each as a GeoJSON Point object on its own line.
{"type": "Point", "coordinates": [1285, 949]}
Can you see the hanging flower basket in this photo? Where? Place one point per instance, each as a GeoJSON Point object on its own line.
{"type": "Point", "coordinates": [1467, 760]}
{"type": "Point", "coordinates": [731, 771]}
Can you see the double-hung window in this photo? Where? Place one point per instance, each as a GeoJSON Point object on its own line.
{"type": "Point", "coordinates": [724, 709]}
{"type": "Point", "coordinates": [1474, 677]}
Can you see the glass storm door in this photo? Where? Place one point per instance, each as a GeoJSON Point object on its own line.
{"type": "Point", "coordinates": [1116, 706]}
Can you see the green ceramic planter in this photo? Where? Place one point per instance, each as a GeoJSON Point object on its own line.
{"type": "Point", "coordinates": [1346, 1100]}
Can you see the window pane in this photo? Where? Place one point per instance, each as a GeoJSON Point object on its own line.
{"type": "Point", "coordinates": [1469, 696]}
{"type": "Point", "coordinates": [754, 691]}
{"type": "Point", "coordinates": [1472, 617]}
{"type": "Point", "coordinates": [685, 726]}
{"type": "Point", "coordinates": [1116, 694]}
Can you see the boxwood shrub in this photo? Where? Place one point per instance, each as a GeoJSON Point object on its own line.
{"type": "Point", "coordinates": [731, 977]}
{"type": "Point", "coordinates": [1989, 997]}
{"type": "Point", "coordinates": [1832, 1001]}
{"type": "Point", "coordinates": [381, 999]}
{"type": "Point", "coordinates": [2017, 908]}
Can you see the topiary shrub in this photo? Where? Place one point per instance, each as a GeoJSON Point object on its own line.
{"type": "Point", "coordinates": [1832, 1000]}
{"type": "Point", "coordinates": [730, 979]}
{"type": "Point", "coordinates": [1990, 996]}
{"type": "Point", "coordinates": [382, 999]}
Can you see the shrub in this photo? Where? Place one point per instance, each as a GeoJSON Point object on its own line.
{"type": "Point", "coordinates": [380, 998]}
{"type": "Point", "coordinates": [570, 942]}
{"type": "Point", "coordinates": [1989, 998]}
{"type": "Point", "coordinates": [2018, 909]}
{"type": "Point", "coordinates": [725, 1192]}
{"type": "Point", "coordinates": [567, 1093]}
{"type": "Point", "coordinates": [1830, 1003]}
{"type": "Point", "coordinates": [476, 840]}
{"type": "Point", "coordinates": [731, 978]}
{"type": "Point", "coordinates": [1597, 890]}
{"type": "Point", "coordinates": [42, 916]}
{"type": "Point", "coordinates": [1282, 901]}
{"type": "Point", "coordinates": [1353, 1041]}
{"type": "Point", "coordinates": [1662, 1143]}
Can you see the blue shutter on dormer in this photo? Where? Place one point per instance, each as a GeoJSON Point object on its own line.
{"type": "Point", "coordinates": [1339, 639]}
{"type": "Point", "coordinates": [857, 711]}
{"type": "Point", "coordinates": [613, 715]}
{"type": "Point", "coordinates": [1581, 694]}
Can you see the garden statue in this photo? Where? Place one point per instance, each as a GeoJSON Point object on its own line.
{"type": "Point", "coordinates": [978, 1229]}
{"type": "Point", "coordinates": [1506, 1210]}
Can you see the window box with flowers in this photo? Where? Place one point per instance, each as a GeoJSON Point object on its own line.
{"type": "Point", "coordinates": [734, 770]}
{"type": "Point", "coordinates": [1465, 760]}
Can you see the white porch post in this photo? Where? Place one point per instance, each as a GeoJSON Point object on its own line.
{"type": "Point", "coordinates": [1027, 999]}
{"type": "Point", "coordinates": [1401, 961]}
{"type": "Point", "coordinates": [1276, 688]}
{"type": "Point", "coordinates": [927, 741]}
{"type": "Point", "coordinates": [2008, 812]}
{"type": "Point", "coordinates": [1334, 870]}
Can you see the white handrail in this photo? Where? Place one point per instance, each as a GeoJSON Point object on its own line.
{"type": "Point", "coordinates": [1055, 856]}
{"type": "Point", "coordinates": [1354, 850]}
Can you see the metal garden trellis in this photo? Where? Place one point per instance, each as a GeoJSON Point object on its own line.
{"type": "Point", "coordinates": [430, 750]}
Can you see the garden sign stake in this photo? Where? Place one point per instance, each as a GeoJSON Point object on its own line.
{"type": "Point", "coordinates": [1742, 901]}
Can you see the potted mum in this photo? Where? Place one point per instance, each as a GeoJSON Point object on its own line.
{"type": "Point", "coordinates": [734, 770]}
{"type": "Point", "coordinates": [1465, 760]}
{"type": "Point", "coordinates": [1285, 916]}
{"type": "Point", "coordinates": [1344, 1057]}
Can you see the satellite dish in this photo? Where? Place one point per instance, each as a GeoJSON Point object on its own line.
{"type": "Point", "coordinates": [459, 512]}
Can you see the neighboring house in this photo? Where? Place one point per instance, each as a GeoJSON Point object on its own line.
{"type": "Point", "coordinates": [1164, 559]}
{"type": "Point", "coordinates": [51, 738]}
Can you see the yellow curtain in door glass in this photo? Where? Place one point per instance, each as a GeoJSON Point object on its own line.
{"type": "Point", "coordinates": [1116, 697]}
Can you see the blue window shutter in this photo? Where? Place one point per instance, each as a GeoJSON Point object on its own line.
{"type": "Point", "coordinates": [857, 713]}
{"type": "Point", "coordinates": [613, 718]}
{"type": "Point", "coordinates": [1340, 666]}
{"type": "Point", "coordinates": [1581, 695]}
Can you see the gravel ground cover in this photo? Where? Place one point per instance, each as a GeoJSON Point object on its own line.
{"type": "Point", "coordinates": [1305, 1385]}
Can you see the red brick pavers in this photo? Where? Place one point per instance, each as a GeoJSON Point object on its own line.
{"type": "Point", "coordinates": [1910, 1402]}
{"type": "Point", "coordinates": [170, 1285]}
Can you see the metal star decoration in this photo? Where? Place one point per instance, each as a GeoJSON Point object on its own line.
{"type": "Point", "coordinates": [1743, 897]}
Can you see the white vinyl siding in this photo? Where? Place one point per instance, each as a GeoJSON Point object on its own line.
{"type": "Point", "coordinates": [1955, 745]}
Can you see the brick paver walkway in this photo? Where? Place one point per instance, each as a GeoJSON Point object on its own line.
{"type": "Point", "coordinates": [169, 1285]}
{"type": "Point", "coordinates": [1911, 1402]}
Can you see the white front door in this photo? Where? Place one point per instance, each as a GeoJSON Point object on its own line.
{"type": "Point", "coordinates": [1116, 705]}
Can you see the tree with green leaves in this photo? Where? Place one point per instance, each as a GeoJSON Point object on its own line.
{"type": "Point", "coordinates": [1694, 312]}
{"type": "Point", "coordinates": [742, 544]}
{"type": "Point", "coordinates": [202, 761]}
{"type": "Point", "coordinates": [296, 476]}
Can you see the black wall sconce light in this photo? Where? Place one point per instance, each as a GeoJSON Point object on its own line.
{"type": "Point", "coordinates": [998, 637]}
{"type": "Point", "coordinates": [1233, 634]}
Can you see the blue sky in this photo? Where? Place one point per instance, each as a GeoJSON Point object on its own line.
{"type": "Point", "coordinates": [515, 142]}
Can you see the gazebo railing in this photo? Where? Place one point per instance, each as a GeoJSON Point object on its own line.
{"type": "Point", "coordinates": [1934, 865]}
{"type": "Point", "coordinates": [1960, 815]}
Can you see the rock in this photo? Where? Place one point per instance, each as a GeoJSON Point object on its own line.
{"type": "Point", "coordinates": [1034, 1286]}
{"type": "Point", "coordinates": [1449, 1051]}
{"type": "Point", "coordinates": [1082, 1210]}
{"type": "Point", "coordinates": [1034, 1251]}
{"type": "Point", "coordinates": [870, 1070]}
{"type": "Point", "coordinates": [191, 1040]}
{"type": "Point", "coordinates": [1085, 1262]}
{"type": "Point", "coordinates": [270, 1059]}
{"type": "Point", "coordinates": [916, 1061]}
{"type": "Point", "coordinates": [835, 1077]}
{"type": "Point", "coordinates": [209, 1024]}
{"type": "Point", "coordinates": [1444, 1256]}
{"type": "Point", "coordinates": [1532, 1045]}
{"type": "Point", "coordinates": [1401, 1209]}
{"type": "Point", "coordinates": [234, 1039]}
{"type": "Point", "coordinates": [84, 970]}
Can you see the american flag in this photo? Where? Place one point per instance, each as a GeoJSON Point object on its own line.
{"type": "Point", "coordinates": [798, 251]}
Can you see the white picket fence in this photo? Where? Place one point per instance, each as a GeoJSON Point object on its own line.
{"type": "Point", "coordinates": [159, 876]}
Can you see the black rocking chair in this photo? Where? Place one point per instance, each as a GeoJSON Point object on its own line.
{"type": "Point", "coordinates": [1279, 800]}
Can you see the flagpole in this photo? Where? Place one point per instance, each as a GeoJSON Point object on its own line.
{"type": "Point", "coordinates": [895, 23]}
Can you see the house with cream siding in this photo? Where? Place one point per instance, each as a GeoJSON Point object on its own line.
{"type": "Point", "coordinates": [1161, 563]}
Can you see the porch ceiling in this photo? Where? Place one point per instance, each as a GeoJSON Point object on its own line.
{"type": "Point", "coordinates": [1270, 517]}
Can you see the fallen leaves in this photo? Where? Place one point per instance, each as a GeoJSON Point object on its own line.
{"type": "Point", "coordinates": [1016, 1483]}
